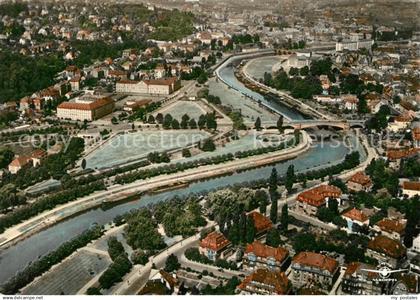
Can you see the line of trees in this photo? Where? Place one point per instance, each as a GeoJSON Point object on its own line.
{"type": "Point", "coordinates": [120, 266]}
{"type": "Point", "coordinates": [47, 203]}
{"type": "Point", "coordinates": [179, 167]}
{"type": "Point", "coordinates": [37, 268]}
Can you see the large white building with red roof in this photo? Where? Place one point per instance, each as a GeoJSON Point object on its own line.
{"type": "Point", "coordinates": [85, 110]}
{"type": "Point", "coordinates": [153, 87]}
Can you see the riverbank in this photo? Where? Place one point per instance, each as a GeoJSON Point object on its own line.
{"type": "Point", "coordinates": [289, 100]}
{"type": "Point", "coordinates": [22, 231]}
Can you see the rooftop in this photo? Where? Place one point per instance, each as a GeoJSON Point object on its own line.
{"type": "Point", "coordinates": [215, 241]}
{"type": "Point", "coordinates": [317, 196]}
{"type": "Point", "coordinates": [316, 260]}
{"type": "Point", "coordinates": [361, 178]}
{"type": "Point", "coordinates": [356, 215]}
{"type": "Point", "coordinates": [274, 282]}
{"type": "Point", "coordinates": [86, 106]}
{"type": "Point", "coordinates": [390, 226]}
{"type": "Point", "coordinates": [261, 222]}
{"type": "Point", "coordinates": [387, 246]}
{"type": "Point", "coordinates": [261, 250]}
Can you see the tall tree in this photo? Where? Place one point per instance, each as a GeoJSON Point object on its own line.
{"type": "Point", "coordinates": [284, 217]}
{"type": "Point", "coordinates": [273, 180]}
{"type": "Point", "coordinates": [273, 238]}
{"type": "Point", "coordinates": [261, 198]}
{"type": "Point", "coordinates": [83, 164]}
{"type": "Point", "coordinates": [250, 230]}
{"type": "Point", "coordinates": [412, 226]}
{"type": "Point", "coordinates": [290, 178]}
{"type": "Point", "coordinates": [258, 124]}
{"type": "Point", "coordinates": [242, 227]}
{"type": "Point", "coordinates": [280, 124]}
{"type": "Point", "coordinates": [274, 207]}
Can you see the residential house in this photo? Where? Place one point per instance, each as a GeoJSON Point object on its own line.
{"type": "Point", "coordinates": [354, 218]}
{"type": "Point", "coordinates": [310, 201]}
{"type": "Point", "coordinates": [393, 229]}
{"type": "Point", "coordinates": [265, 282]}
{"type": "Point", "coordinates": [359, 182]}
{"type": "Point", "coordinates": [411, 188]}
{"type": "Point", "coordinates": [358, 281]}
{"type": "Point", "coordinates": [213, 245]}
{"type": "Point", "coordinates": [257, 256]}
{"type": "Point", "coordinates": [262, 223]}
{"type": "Point", "coordinates": [18, 163]}
{"type": "Point", "coordinates": [386, 250]}
{"type": "Point", "coordinates": [312, 269]}
{"type": "Point", "coordinates": [161, 283]}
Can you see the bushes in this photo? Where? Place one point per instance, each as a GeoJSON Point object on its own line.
{"type": "Point", "coordinates": [115, 248]}
{"type": "Point", "coordinates": [47, 203]}
{"type": "Point", "coordinates": [172, 263]}
{"type": "Point", "coordinates": [194, 255]}
{"type": "Point", "coordinates": [179, 167]}
{"type": "Point", "coordinates": [115, 271]}
{"type": "Point", "coordinates": [121, 264]}
{"type": "Point", "coordinates": [42, 265]}
{"type": "Point", "coordinates": [140, 257]}
{"type": "Point", "coordinates": [141, 232]}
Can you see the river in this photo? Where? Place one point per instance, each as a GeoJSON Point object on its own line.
{"type": "Point", "coordinates": [16, 257]}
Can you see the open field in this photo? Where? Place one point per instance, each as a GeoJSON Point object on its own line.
{"type": "Point", "coordinates": [132, 146]}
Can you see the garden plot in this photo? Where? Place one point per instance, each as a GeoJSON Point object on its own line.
{"type": "Point", "coordinates": [177, 109]}
{"type": "Point", "coordinates": [134, 146]}
{"type": "Point", "coordinates": [235, 100]}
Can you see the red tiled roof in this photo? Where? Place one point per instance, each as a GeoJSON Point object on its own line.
{"type": "Point", "coordinates": [86, 106]}
{"type": "Point", "coordinates": [316, 196]}
{"type": "Point", "coordinates": [356, 214]}
{"type": "Point", "coordinates": [361, 178]}
{"type": "Point", "coordinates": [411, 185]}
{"type": "Point", "coordinates": [261, 250]}
{"type": "Point", "coordinates": [20, 161]}
{"type": "Point", "coordinates": [261, 223]}
{"type": "Point", "coordinates": [385, 245]}
{"type": "Point", "coordinates": [390, 226]}
{"type": "Point", "coordinates": [275, 282]}
{"type": "Point", "coordinates": [38, 153]}
{"type": "Point", "coordinates": [398, 154]}
{"type": "Point", "coordinates": [316, 260]}
{"type": "Point", "coordinates": [416, 134]}
{"type": "Point", "coordinates": [215, 241]}
{"type": "Point", "coordinates": [167, 81]}
{"type": "Point", "coordinates": [128, 82]}
{"type": "Point", "coordinates": [354, 267]}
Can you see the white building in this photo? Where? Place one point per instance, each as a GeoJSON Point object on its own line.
{"type": "Point", "coordinates": [353, 45]}
{"type": "Point", "coordinates": [153, 87]}
{"type": "Point", "coordinates": [85, 110]}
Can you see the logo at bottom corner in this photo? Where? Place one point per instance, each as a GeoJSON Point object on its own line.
{"type": "Point", "coordinates": [385, 272]}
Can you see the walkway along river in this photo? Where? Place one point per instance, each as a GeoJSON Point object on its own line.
{"type": "Point", "coordinates": [16, 257]}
